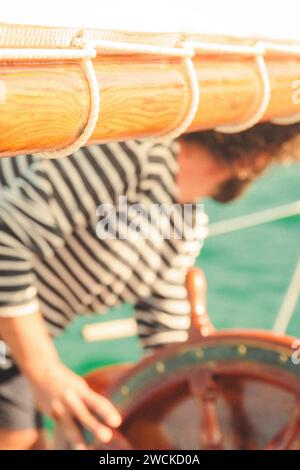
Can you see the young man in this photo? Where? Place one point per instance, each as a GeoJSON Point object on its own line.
{"type": "Point", "coordinates": [54, 264]}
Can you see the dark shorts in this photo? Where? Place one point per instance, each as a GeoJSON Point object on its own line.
{"type": "Point", "coordinates": [17, 409]}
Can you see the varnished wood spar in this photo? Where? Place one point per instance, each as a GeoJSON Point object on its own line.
{"type": "Point", "coordinates": [46, 104]}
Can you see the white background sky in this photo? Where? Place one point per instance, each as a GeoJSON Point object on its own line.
{"type": "Point", "coordinates": [274, 18]}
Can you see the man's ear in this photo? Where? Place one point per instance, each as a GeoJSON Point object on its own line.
{"type": "Point", "coordinates": [252, 168]}
{"type": "Point", "coordinates": [262, 160]}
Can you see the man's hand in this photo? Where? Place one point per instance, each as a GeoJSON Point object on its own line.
{"type": "Point", "coordinates": [59, 392]}
{"type": "Point", "coordinates": [68, 399]}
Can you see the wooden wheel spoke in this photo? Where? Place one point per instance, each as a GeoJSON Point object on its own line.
{"type": "Point", "coordinates": [205, 392]}
{"type": "Point", "coordinates": [285, 438]}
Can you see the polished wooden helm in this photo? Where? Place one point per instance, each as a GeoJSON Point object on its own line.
{"type": "Point", "coordinates": [234, 389]}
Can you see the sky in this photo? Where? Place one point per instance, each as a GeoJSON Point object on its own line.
{"type": "Point", "coordinates": [273, 18]}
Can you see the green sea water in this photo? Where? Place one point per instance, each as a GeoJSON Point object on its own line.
{"type": "Point", "coordinates": [248, 272]}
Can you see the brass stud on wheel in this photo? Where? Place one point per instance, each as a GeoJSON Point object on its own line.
{"type": "Point", "coordinates": [124, 391]}
{"type": "Point", "coordinates": [283, 358]}
{"type": "Point", "coordinates": [199, 353]}
{"type": "Point", "coordinates": [242, 350]}
{"type": "Point", "coordinates": [160, 367]}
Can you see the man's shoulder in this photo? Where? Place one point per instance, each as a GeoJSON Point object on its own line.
{"type": "Point", "coordinates": [138, 151]}
{"type": "Point", "coordinates": [14, 168]}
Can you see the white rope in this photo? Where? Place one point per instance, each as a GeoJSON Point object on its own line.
{"type": "Point", "coordinates": [88, 50]}
{"type": "Point", "coordinates": [82, 139]}
{"type": "Point", "coordinates": [33, 36]}
{"type": "Point", "coordinates": [253, 220]}
{"type": "Point", "coordinates": [264, 102]}
{"type": "Point", "coordinates": [185, 52]}
{"type": "Point", "coordinates": [46, 54]}
{"type": "Point", "coordinates": [193, 106]}
{"type": "Point", "coordinates": [287, 120]}
{"type": "Point", "coordinates": [256, 51]}
{"type": "Point", "coordinates": [213, 48]}
{"type": "Point", "coordinates": [134, 48]}
{"type": "Point", "coordinates": [290, 51]}
{"type": "Point", "coordinates": [85, 55]}
{"type": "Point", "coordinates": [279, 49]}
{"type": "Point", "coordinates": [289, 303]}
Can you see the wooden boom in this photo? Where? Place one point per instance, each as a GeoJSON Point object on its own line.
{"type": "Point", "coordinates": [44, 104]}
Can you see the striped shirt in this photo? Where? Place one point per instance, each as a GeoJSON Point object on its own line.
{"type": "Point", "coordinates": [52, 259]}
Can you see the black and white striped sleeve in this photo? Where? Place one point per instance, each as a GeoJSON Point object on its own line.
{"type": "Point", "coordinates": [27, 229]}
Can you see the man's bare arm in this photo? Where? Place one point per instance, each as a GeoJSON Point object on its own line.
{"type": "Point", "coordinates": [59, 392]}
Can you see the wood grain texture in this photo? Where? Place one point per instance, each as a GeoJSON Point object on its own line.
{"type": "Point", "coordinates": [46, 105]}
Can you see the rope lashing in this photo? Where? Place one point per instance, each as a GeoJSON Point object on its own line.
{"type": "Point", "coordinates": [88, 50]}
{"type": "Point", "coordinates": [186, 53]}
{"type": "Point", "coordinates": [286, 50]}
{"type": "Point", "coordinates": [89, 71]}
{"type": "Point", "coordinates": [256, 51]}
{"type": "Point", "coordinates": [45, 54]}
{"type": "Point", "coordinates": [85, 49]}
{"type": "Point", "coordinates": [194, 91]}
{"type": "Point", "coordinates": [280, 49]}
{"type": "Point", "coordinates": [86, 54]}
{"type": "Point", "coordinates": [194, 102]}
{"type": "Point", "coordinates": [82, 139]}
{"type": "Point", "coordinates": [133, 48]}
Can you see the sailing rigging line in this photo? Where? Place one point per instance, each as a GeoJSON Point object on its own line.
{"type": "Point", "coordinates": [184, 52]}
{"type": "Point", "coordinates": [287, 50]}
{"type": "Point", "coordinates": [258, 52]}
{"type": "Point", "coordinates": [289, 303]}
{"type": "Point", "coordinates": [84, 136]}
{"type": "Point", "coordinates": [255, 219]}
{"type": "Point", "coordinates": [88, 50]}
{"type": "Point", "coordinates": [85, 55]}
{"type": "Point", "coordinates": [292, 294]}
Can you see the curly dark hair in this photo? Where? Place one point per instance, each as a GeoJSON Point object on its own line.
{"type": "Point", "coordinates": [277, 144]}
